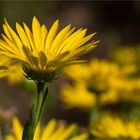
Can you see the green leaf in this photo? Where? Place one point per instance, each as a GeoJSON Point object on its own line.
{"type": "Point", "coordinates": [33, 115]}
{"type": "Point", "coordinates": [25, 131]}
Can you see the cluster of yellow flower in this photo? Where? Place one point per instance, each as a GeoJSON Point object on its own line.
{"type": "Point", "coordinates": [54, 130]}
{"type": "Point", "coordinates": [100, 79]}
{"type": "Point", "coordinates": [105, 84]}
{"type": "Point", "coordinates": [117, 128]}
{"type": "Point", "coordinates": [97, 86]}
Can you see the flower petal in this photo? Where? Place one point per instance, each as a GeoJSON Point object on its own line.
{"type": "Point", "coordinates": [51, 35]}
{"type": "Point", "coordinates": [36, 28]}
{"type": "Point", "coordinates": [59, 38]}
{"type": "Point", "coordinates": [43, 37]}
{"type": "Point", "coordinates": [22, 35]}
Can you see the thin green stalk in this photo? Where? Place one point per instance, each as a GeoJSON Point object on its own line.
{"type": "Point", "coordinates": [94, 113]}
{"type": "Point", "coordinates": [35, 113]}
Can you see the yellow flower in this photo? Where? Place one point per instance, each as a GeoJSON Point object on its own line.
{"type": "Point", "coordinates": [110, 97]}
{"type": "Point", "coordinates": [78, 96]}
{"type": "Point", "coordinates": [16, 129]}
{"type": "Point", "coordinates": [125, 55]}
{"type": "Point", "coordinates": [96, 75]}
{"type": "Point", "coordinates": [13, 72]}
{"type": "Point", "coordinates": [128, 89]}
{"type": "Point", "coordinates": [108, 80]}
{"type": "Point", "coordinates": [52, 131]}
{"type": "Point", "coordinates": [44, 53]}
{"type": "Point", "coordinates": [92, 81]}
{"type": "Point", "coordinates": [115, 127]}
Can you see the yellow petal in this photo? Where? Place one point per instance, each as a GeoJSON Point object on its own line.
{"type": "Point", "coordinates": [17, 128]}
{"type": "Point", "coordinates": [48, 130]}
{"type": "Point", "coordinates": [51, 35]}
{"type": "Point", "coordinates": [61, 56]}
{"type": "Point", "coordinates": [81, 137]}
{"type": "Point", "coordinates": [17, 42]}
{"type": "Point", "coordinates": [35, 60]}
{"type": "Point", "coordinates": [67, 133]}
{"type": "Point", "coordinates": [80, 42]}
{"type": "Point", "coordinates": [5, 46]}
{"type": "Point", "coordinates": [10, 137]}
{"type": "Point", "coordinates": [36, 28]}
{"type": "Point", "coordinates": [72, 39]}
{"type": "Point", "coordinates": [22, 35]}
{"type": "Point", "coordinates": [37, 132]}
{"type": "Point", "coordinates": [30, 37]}
{"type": "Point", "coordinates": [42, 59]}
{"type": "Point", "coordinates": [7, 31]}
{"type": "Point", "coordinates": [57, 133]}
{"type": "Point", "coordinates": [71, 62]}
{"type": "Point", "coordinates": [11, 46]}
{"type": "Point", "coordinates": [43, 37]}
{"type": "Point", "coordinates": [59, 38]}
{"type": "Point", "coordinates": [58, 50]}
{"type": "Point", "coordinates": [27, 54]}
{"type": "Point", "coordinates": [82, 50]}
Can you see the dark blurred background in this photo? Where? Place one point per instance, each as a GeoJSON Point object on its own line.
{"type": "Point", "coordinates": [116, 23]}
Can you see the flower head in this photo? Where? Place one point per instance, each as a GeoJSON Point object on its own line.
{"type": "Point", "coordinates": [97, 75]}
{"type": "Point", "coordinates": [53, 130]}
{"type": "Point", "coordinates": [78, 96]}
{"type": "Point", "coordinates": [44, 53]}
{"type": "Point", "coordinates": [116, 128]}
{"type": "Point", "coordinates": [110, 82]}
{"type": "Point", "coordinates": [125, 55]}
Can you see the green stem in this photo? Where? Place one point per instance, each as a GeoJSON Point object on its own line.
{"type": "Point", "coordinates": [35, 113]}
{"type": "Point", "coordinates": [41, 93]}
{"type": "Point", "coordinates": [94, 113]}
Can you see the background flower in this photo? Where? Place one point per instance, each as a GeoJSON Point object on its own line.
{"type": "Point", "coordinates": [115, 127]}
{"type": "Point", "coordinates": [54, 130]}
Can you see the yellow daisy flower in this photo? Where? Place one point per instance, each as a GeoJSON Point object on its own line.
{"type": "Point", "coordinates": [52, 131]}
{"type": "Point", "coordinates": [77, 96]}
{"type": "Point", "coordinates": [125, 55]}
{"type": "Point", "coordinates": [44, 53]}
{"type": "Point", "coordinates": [128, 89]}
{"type": "Point", "coordinates": [115, 127]}
{"type": "Point", "coordinates": [13, 72]}
{"type": "Point", "coordinates": [97, 74]}
{"type": "Point", "coordinates": [108, 80]}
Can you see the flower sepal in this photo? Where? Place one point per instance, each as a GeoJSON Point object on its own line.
{"type": "Point", "coordinates": [41, 76]}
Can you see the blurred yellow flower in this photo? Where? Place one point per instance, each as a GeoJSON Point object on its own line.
{"type": "Point", "coordinates": [13, 72]}
{"type": "Point", "coordinates": [77, 96]}
{"type": "Point", "coordinates": [93, 82]}
{"type": "Point", "coordinates": [44, 53]}
{"type": "Point", "coordinates": [125, 55]}
{"type": "Point", "coordinates": [111, 82]}
{"type": "Point", "coordinates": [16, 131]}
{"type": "Point", "coordinates": [109, 97]}
{"type": "Point", "coordinates": [115, 127]}
{"type": "Point", "coordinates": [96, 75]}
{"type": "Point", "coordinates": [52, 131]}
{"type": "Point", "coordinates": [128, 89]}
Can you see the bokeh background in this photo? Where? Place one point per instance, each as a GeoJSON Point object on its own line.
{"type": "Point", "coordinates": [117, 23]}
